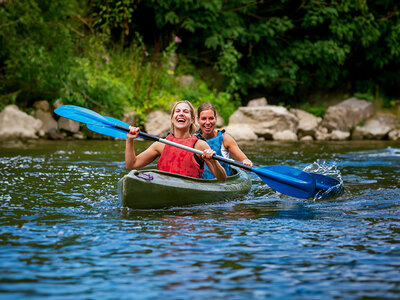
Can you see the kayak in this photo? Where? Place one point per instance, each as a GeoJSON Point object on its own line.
{"type": "Point", "coordinates": [158, 189]}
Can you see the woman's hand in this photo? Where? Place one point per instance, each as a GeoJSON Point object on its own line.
{"type": "Point", "coordinates": [247, 162]}
{"type": "Point", "coordinates": [133, 133]}
{"type": "Point", "coordinates": [208, 154]}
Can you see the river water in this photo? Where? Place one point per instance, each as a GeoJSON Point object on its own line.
{"type": "Point", "coordinates": [63, 234]}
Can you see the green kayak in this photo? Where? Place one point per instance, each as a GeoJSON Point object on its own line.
{"type": "Point", "coordinates": [157, 189]}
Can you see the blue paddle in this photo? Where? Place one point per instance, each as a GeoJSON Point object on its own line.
{"type": "Point", "coordinates": [286, 180]}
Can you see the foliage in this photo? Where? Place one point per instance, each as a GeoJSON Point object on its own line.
{"type": "Point", "coordinates": [289, 48]}
{"type": "Point", "coordinates": [317, 111]}
{"type": "Point", "coordinates": [120, 54]}
{"type": "Point", "coordinates": [37, 40]}
{"type": "Point", "coordinates": [126, 79]}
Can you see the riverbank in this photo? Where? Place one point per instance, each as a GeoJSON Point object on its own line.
{"type": "Point", "coordinates": [351, 119]}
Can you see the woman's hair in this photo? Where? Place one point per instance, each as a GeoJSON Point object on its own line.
{"type": "Point", "coordinates": [192, 128]}
{"type": "Point", "coordinates": [206, 106]}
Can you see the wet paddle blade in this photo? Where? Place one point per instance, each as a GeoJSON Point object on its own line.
{"type": "Point", "coordinates": [82, 115]}
{"type": "Point", "coordinates": [106, 130]}
{"type": "Point", "coordinates": [326, 187]}
{"type": "Point", "coordinates": [94, 121]}
{"type": "Point", "coordinates": [287, 180]}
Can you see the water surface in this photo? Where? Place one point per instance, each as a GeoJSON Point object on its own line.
{"type": "Point", "coordinates": [63, 234]}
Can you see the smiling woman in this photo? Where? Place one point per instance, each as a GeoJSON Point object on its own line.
{"type": "Point", "coordinates": [172, 159]}
{"type": "Point", "coordinates": [219, 141]}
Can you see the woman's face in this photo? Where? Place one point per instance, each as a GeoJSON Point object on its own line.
{"type": "Point", "coordinates": [182, 117]}
{"type": "Point", "coordinates": [207, 122]}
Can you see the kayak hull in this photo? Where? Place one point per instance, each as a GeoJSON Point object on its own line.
{"type": "Point", "coordinates": [152, 188]}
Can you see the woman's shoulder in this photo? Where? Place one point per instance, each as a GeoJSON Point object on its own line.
{"type": "Point", "coordinates": [157, 146]}
{"type": "Point", "coordinates": [201, 144]}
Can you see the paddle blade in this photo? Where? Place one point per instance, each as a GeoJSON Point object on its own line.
{"type": "Point", "coordinates": [287, 180]}
{"type": "Point", "coordinates": [110, 131]}
{"type": "Point", "coordinates": [82, 115]}
{"type": "Point", "coordinates": [326, 186]}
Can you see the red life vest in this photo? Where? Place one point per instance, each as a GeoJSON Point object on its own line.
{"type": "Point", "coordinates": [179, 161]}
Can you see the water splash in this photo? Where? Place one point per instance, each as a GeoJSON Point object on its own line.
{"type": "Point", "coordinates": [327, 169]}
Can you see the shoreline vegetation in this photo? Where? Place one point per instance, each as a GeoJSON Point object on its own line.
{"type": "Point", "coordinates": [131, 60]}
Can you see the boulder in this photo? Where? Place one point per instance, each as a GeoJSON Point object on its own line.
{"type": "Point", "coordinates": [308, 123]}
{"type": "Point", "coordinates": [394, 135]}
{"type": "Point", "coordinates": [377, 128]}
{"type": "Point", "coordinates": [49, 125]}
{"type": "Point", "coordinates": [347, 114]}
{"type": "Point", "coordinates": [220, 121]}
{"type": "Point", "coordinates": [322, 134]}
{"type": "Point", "coordinates": [306, 138]}
{"type": "Point", "coordinates": [338, 135]}
{"type": "Point", "coordinates": [42, 105]}
{"type": "Point", "coordinates": [257, 102]}
{"type": "Point", "coordinates": [158, 123]}
{"type": "Point", "coordinates": [17, 124]}
{"type": "Point", "coordinates": [265, 121]}
{"type": "Point", "coordinates": [241, 132]}
{"type": "Point", "coordinates": [286, 135]}
{"type": "Point", "coordinates": [68, 125]}
{"type": "Point", "coordinates": [129, 118]}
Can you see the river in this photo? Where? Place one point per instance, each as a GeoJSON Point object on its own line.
{"type": "Point", "coordinates": [63, 234]}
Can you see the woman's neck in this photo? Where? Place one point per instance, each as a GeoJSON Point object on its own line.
{"type": "Point", "coordinates": [209, 136]}
{"type": "Point", "coordinates": [181, 134]}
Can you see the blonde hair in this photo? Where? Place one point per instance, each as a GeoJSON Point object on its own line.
{"type": "Point", "coordinates": [192, 128]}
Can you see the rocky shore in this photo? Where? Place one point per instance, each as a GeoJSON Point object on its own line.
{"type": "Point", "coordinates": [351, 119]}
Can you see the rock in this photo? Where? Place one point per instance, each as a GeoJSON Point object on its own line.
{"type": "Point", "coordinates": [241, 132]}
{"type": "Point", "coordinates": [322, 134]}
{"type": "Point", "coordinates": [17, 124]}
{"type": "Point", "coordinates": [286, 135]}
{"type": "Point", "coordinates": [338, 135]}
{"type": "Point", "coordinates": [257, 102]}
{"type": "Point", "coordinates": [394, 135]}
{"type": "Point", "coordinates": [220, 121]}
{"type": "Point", "coordinates": [78, 135]}
{"type": "Point", "coordinates": [377, 128]}
{"type": "Point", "coordinates": [347, 114]}
{"type": "Point", "coordinates": [57, 135]}
{"type": "Point", "coordinates": [158, 123]}
{"type": "Point", "coordinates": [49, 124]}
{"type": "Point", "coordinates": [57, 104]}
{"type": "Point", "coordinates": [129, 118]}
{"type": "Point", "coordinates": [42, 105]}
{"type": "Point", "coordinates": [306, 138]}
{"type": "Point", "coordinates": [68, 125]}
{"type": "Point", "coordinates": [265, 121]}
{"type": "Point", "coordinates": [308, 123]}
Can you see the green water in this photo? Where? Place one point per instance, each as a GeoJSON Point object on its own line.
{"type": "Point", "coordinates": [63, 234]}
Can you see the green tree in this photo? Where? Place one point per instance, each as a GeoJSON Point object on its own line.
{"type": "Point", "coordinates": [38, 42]}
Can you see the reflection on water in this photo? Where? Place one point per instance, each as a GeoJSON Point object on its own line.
{"type": "Point", "coordinates": [63, 234]}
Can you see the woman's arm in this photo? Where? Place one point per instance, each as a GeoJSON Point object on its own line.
{"type": "Point", "coordinates": [143, 159]}
{"type": "Point", "coordinates": [214, 166]}
{"type": "Point", "coordinates": [234, 150]}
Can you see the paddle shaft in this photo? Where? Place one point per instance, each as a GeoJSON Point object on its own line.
{"type": "Point", "coordinates": [286, 180]}
{"type": "Point", "coordinates": [199, 152]}
{"type": "Point", "coordinates": [278, 176]}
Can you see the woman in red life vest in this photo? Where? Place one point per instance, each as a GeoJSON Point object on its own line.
{"type": "Point", "coordinates": [221, 142]}
{"type": "Point", "coordinates": [172, 159]}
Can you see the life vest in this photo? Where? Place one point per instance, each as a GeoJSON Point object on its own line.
{"type": "Point", "coordinates": [216, 143]}
{"type": "Point", "coordinates": [179, 161]}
